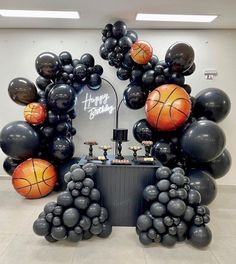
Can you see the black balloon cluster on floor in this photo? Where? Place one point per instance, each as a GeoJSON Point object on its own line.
{"type": "Point", "coordinates": [61, 79]}
{"type": "Point", "coordinates": [77, 214]}
{"type": "Point", "coordinates": [174, 211]}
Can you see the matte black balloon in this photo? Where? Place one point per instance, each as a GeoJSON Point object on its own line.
{"type": "Point", "coordinates": [95, 195]}
{"type": "Point", "coordinates": [74, 237]}
{"type": "Point", "coordinates": [90, 169]}
{"type": "Point", "coordinates": [159, 225]}
{"type": "Point", "coordinates": [47, 65]}
{"type": "Point", "coordinates": [62, 148]}
{"type": "Point", "coordinates": [123, 74]}
{"type": "Point", "coordinates": [150, 193]}
{"type": "Point", "coordinates": [125, 43]}
{"type": "Point", "coordinates": [182, 229]}
{"type": "Point", "coordinates": [176, 207]}
{"type": "Point", "coordinates": [179, 56]}
{"type": "Point", "coordinates": [42, 83]}
{"type": "Point", "coordinates": [93, 210]}
{"type": "Point", "coordinates": [203, 140]}
{"type": "Point", "coordinates": [142, 131]}
{"type": "Point", "coordinates": [135, 96]}
{"type": "Point", "coordinates": [103, 215]}
{"type": "Point", "coordinates": [132, 35]}
{"type": "Point", "coordinates": [204, 183]}
{"type": "Point", "coordinates": [41, 227]}
{"type": "Point", "coordinates": [199, 236]}
{"type": "Point", "coordinates": [103, 52]}
{"type": "Point", "coordinates": [178, 178]}
{"type": "Point", "coordinates": [163, 185]}
{"type": "Point", "coordinates": [164, 151]}
{"type": "Point", "coordinates": [144, 239]}
{"type": "Point", "coordinates": [62, 98]}
{"type": "Point", "coordinates": [71, 217]}
{"type": "Point", "coordinates": [50, 239]}
{"type": "Point", "coordinates": [96, 229]}
{"type": "Point", "coordinates": [87, 235]}
{"type": "Point", "coordinates": [81, 202]}
{"type": "Point", "coordinates": [163, 197]}
{"type": "Point", "coordinates": [58, 232]}
{"type": "Point", "coordinates": [157, 209]}
{"type": "Point", "coordinates": [119, 29]}
{"type": "Point", "coordinates": [65, 199]}
{"type": "Point", "coordinates": [194, 197]}
{"type": "Point", "coordinates": [144, 222]}
{"type": "Point", "coordinates": [65, 58]}
{"type": "Point", "coordinates": [168, 240]}
{"type": "Point", "coordinates": [163, 173]}
{"type": "Point", "coordinates": [22, 91]}
{"type": "Point", "coordinates": [94, 81]}
{"type": "Point", "coordinates": [85, 223]}
{"type": "Point", "coordinates": [19, 140]}
{"type": "Point", "coordinates": [190, 70]}
{"type": "Point", "coordinates": [212, 103]}
{"type": "Point", "coordinates": [106, 230]}
{"type": "Point", "coordinates": [49, 207]}
{"type": "Point", "coordinates": [87, 59]}
{"type": "Point", "coordinates": [219, 166]}
{"type": "Point", "coordinates": [10, 164]}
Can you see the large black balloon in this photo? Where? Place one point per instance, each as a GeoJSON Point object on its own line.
{"type": "Point", "coordinates": [135, 96]}
{"type": "Point", "coordinates": [62, 98]}
{"type": "Point", "coordinates": [179, 57]}
{"type": "Point", "coordinates": [10, 164]}
{"type": "Point", "coordinates": [19, 140]}
{"type": "Point", "coordinates": [62, 169]}
{"type": "Point", "coordinates": [119, 29]}
{"type": "Point", "coordinates": [203, 140]}
{"type": "Point", "coordinates": [47, 65]}
{"type": "Point", "coordinates": [204, 184]}
{"type": "Point", "coordinates": [212, 103]}
{"type": "Point", "coordinates": [142, 131]}
{"type": "Point", "coordinates": [22, 91]}
{"type": "Point", "coordinates": [199, 236]}
{"type": "Point", "coordinates": [62, 148]}
{"type": "Point", "coordinates": [219, 166]}
{"type": "Point", "coordinates": [164, 151]}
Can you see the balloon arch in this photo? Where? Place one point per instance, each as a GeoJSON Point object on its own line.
{"type": "Point", "coordinates": [183, 129]}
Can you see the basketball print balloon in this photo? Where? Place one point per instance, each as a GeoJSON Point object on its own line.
{"type": "Point", "coordinates": [141, 52]}
{"type": "Point", "coordinates": [167, 107]}
{"type": "Point", "coordinates": [34, 178]}
{"type": "Point", "coordinates": [35, 113]}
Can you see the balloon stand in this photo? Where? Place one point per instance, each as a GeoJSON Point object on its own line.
{"type": "Point", "coordinates": [164, 193]}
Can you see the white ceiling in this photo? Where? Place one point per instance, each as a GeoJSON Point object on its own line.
{"type": "Point", "coordinates": [96, 13]}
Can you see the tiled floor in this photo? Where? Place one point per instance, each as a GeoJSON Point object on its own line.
{"type": "Point", "coordinates": [18, 244]}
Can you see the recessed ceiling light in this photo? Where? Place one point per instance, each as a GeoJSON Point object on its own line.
{"type": "Point", "coordinates": [175, 18]}
{"type": "Point", "coordinates": [39, 14]}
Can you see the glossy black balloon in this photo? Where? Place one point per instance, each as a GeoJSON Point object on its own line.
{"type": "Point", "coordinates": [164, 151]}
{"type": "Point", "coordinates": [22, 91]}
{"type": "Point", "coordinates": [135, 96]}
{"type": "Point", "coordinates": [148, 78]}
{"type": "Point", "coordinates": [10, 164]}
{"type": "Point", "coordinates": [132, 35]}
{"type": "Point", "coordinates": [219, 166]}
{"type": "Point", "coordinates": [80, 71]}
{"type": "Point", "coordinates": [65, 58]}
{"type": "Point", "coordinates": [62, 98]}
{"type": "Point", "coordinates": [119, 29]}
{"type": "Point", "coordinates": [87, 59]}
{"type": "Point", "coordinates": [94, 81]}
{"type": "Point", "coordinates": [204, 184]}
{"type": "Point", "coordinates": [125, 43]}
{"type": "Point", "coordinates": [19, 140]}
{"type": "Point", "coordinates": [190, 70]}
{"type": "Point", "coordinates": [123, 74]}
{"type": "Point", "coordinates": [142, 131]}
{"type": "Point", "coordinates": [47, 65]}
{"type": "Point", "coordinates": [42, 83]}
{"type": "Point", "coordinates": [203, 140]}
{"type": "Point", "coordinates": [110, 44]}
{"type": "Point", "coordinates": [103, 52]}
{"type": "Point", "coordinates": [62, 148]}
{"type": "Point", "coordinates": [212, 103]}
{"type": "Point", "coordinates": [199, 236]}
{"type": "Point", "coordinates": [179, 57]}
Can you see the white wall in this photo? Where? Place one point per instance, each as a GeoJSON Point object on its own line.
{"type": "Point", "coordinates": [214, 49]}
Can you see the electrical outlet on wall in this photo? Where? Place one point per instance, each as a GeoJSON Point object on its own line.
{"type": "Point", "coordinates": [210, 74]}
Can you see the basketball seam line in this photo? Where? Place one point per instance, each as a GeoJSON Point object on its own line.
{"type": "Point", "coordinates": [35, 174]}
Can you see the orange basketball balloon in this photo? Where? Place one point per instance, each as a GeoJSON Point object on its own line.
{"type": "Point", "coordinates": [141, 52]}
{"type": "Point", "coordinates": [34, 178]}
{"type": "Point", "coordinates": [167, 107]}
{"type": "Point", "coordinates": [35, 113]}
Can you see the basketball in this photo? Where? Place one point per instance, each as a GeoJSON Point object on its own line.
{"type": "Point", "coordinates": [141, 52]}
{"type": "Point", "coordinates": [35, 113]}
{"type": "Point", "coordinates": [167, 107]}
{"type": "Point", "coordinates": [34, 178]}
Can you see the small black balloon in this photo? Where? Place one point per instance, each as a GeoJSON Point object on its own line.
{"type": "Point", "coordinates": [135, 96]}
{"type": "Point", "coordinates": [190, 70]}
{"type": "Point", "coordinates": [10, 164]}
{"type": "Point", "coordinates": [80, 71]}
{"type": "Point", "coordinates": [94, 81]}
{"type": "Point", "coordinates": [132, 35]}
{"type": "Point", "coordinates": [150, 193]}
{"type": "Point", "coordinates": [58, 232]}
{"type": "Point", "coordinates": [87, 59]}
{"type": "Point", "coordinates": [142, 131]}
{"type": "Point", "coordinates": [199, 236]}
{"type": "Point", "coordinates": [98, 69]}
{"type": "Point", "coordinates": [41, 227]}
{"type": "Point", "coordinates": [42, 83]}
{"type": "Point", "coordinates": [103, 52]}
{"type": "Point", "coordinates": [106, 230]}
{"type": "Point", "coordinates": [125, 43]}
{"type": "Point", "coordinates": [123, 74]}
{"type": "Point", "coordinates": [62, 148]}
{"type": "Point", "coordinates": [144, 222]}
{"type": "Point", "coordinates": [148, 78]}
{"type": "Point", "coordinates": [119, 29]}
{"type": "Point", "coordinates": [65, 58]}
{"type": "Point", "coordinates": [65, 199]}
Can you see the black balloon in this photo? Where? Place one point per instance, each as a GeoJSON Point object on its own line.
{"type": "Point", "coordinates": [150, 193]}
{"type": "Point", "coordinates": [204, 184]}
{"type": "Point", "coordinates": [212, 103]}
{"type": "Point", "coordinates": [80, 71]}
{"type": "Point", "coordinates": [142, 131]}
{"type": "Point", "coordinates": [179, 56]}
{"type": "Point", "coordinates": [62, 98]}
{"type": "Point", "coordinates": [190, 70]}
{"type": "Point", "coordinates": [125, 43]}
{"type": "Point", "coordinates": [65, 58]}
{"type": "Point", "coordinates": [219, 166]}
{"type": "Point", "coordinates": [203, 140]}
{"type": "Point", "coordinates": [103, 52]}
{"type": "Point", "coordinates": [106, 230]}
{"type": "Point", "coordinates": [22, 91]}
{"type": "Point", "coordinates": [144, 222]}
{"type": "Point", "coordinates": [41, 227]}
{"type": "Point", "coordinates": [148, 78]}
{"type": "Point", "coordinates": [135, 96]}
{"type": "Point", "coordinates": [132, 35]}
{"type": "Point", "coordinates": [199, 236]}
{"type": "Point", "coordinates": [119, 29]}
{"type": "Point", "coordinates": [87, 59]}
{"type": "Point", "coordinates": [94, 81]}
{"type": "Point", "coordinates": [47, 65]}
{"type": "Point", "coordinates": [123, 74]}
{"type": "Point", "coordinates": [42, 83]}
{"type": "Point", "coordinates": [110, 44]}
{"type": "Point", "coordinates": [10, 164]}
{"type": "Point", "coordinates": [62, 148]}
{"type": "Point", "coordinates": [64, 199]}
{"type": "Point", "coordinates": [19, 140]}
{"type": "Point", "coordinates": [71, 217]}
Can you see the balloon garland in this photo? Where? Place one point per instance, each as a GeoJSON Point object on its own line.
{"type": "Point", "coordinates": [77, 214]}
{"type": "Point", "coordinates": [45, 137]}
{"type": "Point", "coordinates": [184, 132]}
